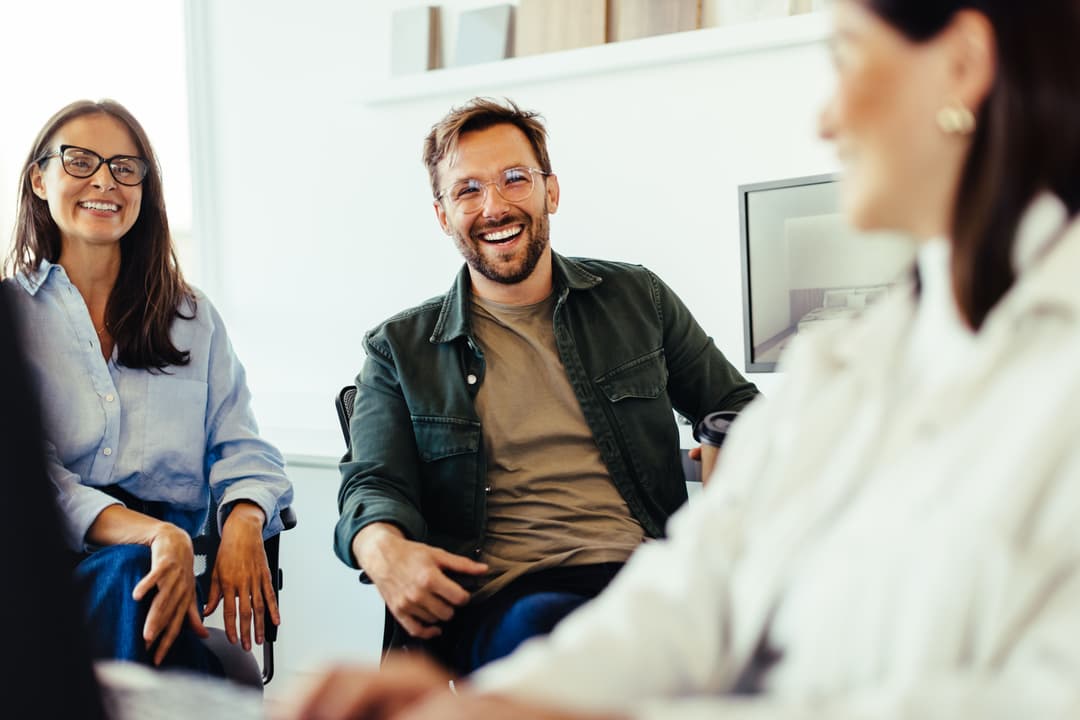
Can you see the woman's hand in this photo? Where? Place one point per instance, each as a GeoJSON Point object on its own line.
{"type": "Point", "coordinates": [171, 561]}
{"type": "Point", "coordinates": [241, 575]}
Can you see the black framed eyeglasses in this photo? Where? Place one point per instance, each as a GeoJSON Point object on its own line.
{"type": "Point", "coordinates": [514, 185]}
{"type": "Point", "coordinates": [82, 163]}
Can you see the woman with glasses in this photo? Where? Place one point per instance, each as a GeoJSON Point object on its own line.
{"type": "Point", "coordinates": [895, 532]}
{"type": "Point", "coordinates": [146, 407]}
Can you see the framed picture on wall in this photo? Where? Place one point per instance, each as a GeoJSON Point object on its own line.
{"type": "Point", "coordinates": [803, 266]}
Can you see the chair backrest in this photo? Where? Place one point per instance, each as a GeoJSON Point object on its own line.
{"type": "Point", "coordinates": [344, 403]}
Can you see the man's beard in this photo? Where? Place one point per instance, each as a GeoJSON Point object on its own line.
{"type": "Point", "coordinates": [538, 231]}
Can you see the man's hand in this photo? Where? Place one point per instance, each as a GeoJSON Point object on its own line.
{"type": "Point", "coordinates": [411, 577]}
{"type": "Point", "coordinates": [171, 562]}
{"type": "Point", "coordinates": [241, 576]}
{"type": "Point", "coordinates": [370, 693]}
{"type": "Point", "coordinates": [707, 455]}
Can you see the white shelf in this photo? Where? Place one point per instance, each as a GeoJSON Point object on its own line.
{"type": "Point", "coordinates": [613, 57]}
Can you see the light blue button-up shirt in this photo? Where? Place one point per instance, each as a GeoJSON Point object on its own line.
{"type": "Point", "coordinates": [178, 437]}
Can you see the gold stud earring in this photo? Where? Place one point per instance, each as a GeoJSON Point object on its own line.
{"type": "Point", "coordinates": [956, 119]}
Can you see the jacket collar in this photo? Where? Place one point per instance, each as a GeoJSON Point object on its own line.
{"type": "Point", "coordinates": [453, 321]}
{"type": "Point", "coordinates": [35, 280]}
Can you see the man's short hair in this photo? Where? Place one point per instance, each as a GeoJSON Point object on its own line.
{"type": "Point", "coordinates": [479, 114]}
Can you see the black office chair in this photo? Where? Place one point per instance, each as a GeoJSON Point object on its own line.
{"type": "Point", "coordinates": [344, 403]}
{"type": "Point", "coordinates": [240, 665]}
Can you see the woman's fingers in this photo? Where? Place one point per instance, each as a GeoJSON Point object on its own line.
{"type": "Point", "coordinates": [214, 598]}
{"type": "Point", "coordinates": [168, 637]}
{"type": "Point", "coordinates": [167, 609]}
{"type": "Point", "coordinates": [270, 596]}
{"type": "Point", "coordinates": [244, 596]}
{"type": "Point", "coordinates": [228, 611]}
{"type": "Point", "coordinates": [194, 620]}
{"type": "Point", "coordinates": [148, 583]}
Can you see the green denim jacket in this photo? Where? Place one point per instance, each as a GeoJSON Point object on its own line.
{"type": "Point", "coordinates": [632, 352]}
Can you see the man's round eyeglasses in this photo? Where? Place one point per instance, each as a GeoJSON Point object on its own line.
{"type": "Point", "coordinates": [82, 163]}
{"type": "Point", "coordinates": [514, 185]}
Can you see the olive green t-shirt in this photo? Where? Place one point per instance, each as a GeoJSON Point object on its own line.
{"type": "Point", "coordinates": [551, 501]}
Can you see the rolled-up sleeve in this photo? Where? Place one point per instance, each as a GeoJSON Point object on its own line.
{"type": "Point", "coordinates": [79, 504]}
{"type": "Point", "coordinates": [241, 465]}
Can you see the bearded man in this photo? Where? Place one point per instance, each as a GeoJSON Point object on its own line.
{"type": "Point", "coordinates": [513, 441]}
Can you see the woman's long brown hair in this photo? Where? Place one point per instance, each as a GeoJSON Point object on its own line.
{"type": "Point", "coordinates": [1027, 137]}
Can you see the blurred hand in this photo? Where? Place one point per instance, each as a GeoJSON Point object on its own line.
{"type": "Point", "coordinates": [344, 693]}
{"type": "Point", "coordinates": [241, 576]}
{"type": "Point", "coordinates": [469, 706]}
{"type": "Point", "coordinates": [412, 577]}
{"type": "Point", "coordinates": [171, 561]}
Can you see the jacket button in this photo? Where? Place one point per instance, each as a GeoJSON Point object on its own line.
{"type": "Point", "coordinates": [476, 552]}
{"type": "Point", "coordinates": [471, 379]}
{"type": "Point", "coordinates": [488, 490]}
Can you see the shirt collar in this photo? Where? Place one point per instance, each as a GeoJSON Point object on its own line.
{"type": "Point", "coordinates": [453, 321]}
{"type": "Point", "coordinates": [1046, 255]}
{"type": "Point", "coordinates": [1042, 222]}
{"type": "Point", "coordinates": [35, 280]}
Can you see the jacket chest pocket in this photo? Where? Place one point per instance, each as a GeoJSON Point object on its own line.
{"type": "Point", "coordinates": [636, 393]}
{"type": "Point", "coordinates": [449, 450]}
{"type": "Point", "coordinates": [642, 378]}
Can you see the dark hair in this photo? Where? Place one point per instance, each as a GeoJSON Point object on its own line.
{"type": "Point", "coordinates": [479, 114]}
{"type": "Point", "coordinates": [150, 290]}
{"type": "Point", "coordinates": [1027, 136]}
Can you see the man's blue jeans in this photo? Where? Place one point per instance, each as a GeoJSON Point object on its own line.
{"type": "Point", "coordinates": [532, 605]}
{"type": "Point", "coordinates": [529, 616]}
{"type": "Point", "coordinates": [114, 620]}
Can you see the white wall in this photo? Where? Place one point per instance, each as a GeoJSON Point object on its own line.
{"type": "Point", "coordinates": [323, 221]}
{"type": "Point", "coordinates": [314, 213]}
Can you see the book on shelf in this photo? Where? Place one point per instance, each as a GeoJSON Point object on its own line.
{"type": "Point", "coordinates": [544, 26]}
{"type": "Point", "coordinates": [414, 40]}
{"type": "Point", "coordinates": [728, 12]}
{"type": "Point", "coordinates": [630, 19]}
{"type": "Point", "coordinates": [484, 35]}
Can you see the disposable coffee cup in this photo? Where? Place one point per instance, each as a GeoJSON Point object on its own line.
{"type": "Point", "coordinates": [713, 428]}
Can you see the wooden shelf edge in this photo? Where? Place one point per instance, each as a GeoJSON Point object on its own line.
{"type": "Point", "coordinates": [600, 59]}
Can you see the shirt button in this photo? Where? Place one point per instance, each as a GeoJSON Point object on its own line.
{"type": "Point", "coordinates": [109, 397]}
{"type": "Point", "coordinates": [106, 452]}
{"type": "Point", "coordinates": [476, 552]}
{"type": "Point", "coordinates": [488, 489]}
{"type": "Point", "coordinates": [471, 379]}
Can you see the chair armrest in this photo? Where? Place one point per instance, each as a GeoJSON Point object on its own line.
{"type": "Point", "coordinates": [288, 518]}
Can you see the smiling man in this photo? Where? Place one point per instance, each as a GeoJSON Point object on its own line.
{"type": "Point", "coordinates": [513, 440]}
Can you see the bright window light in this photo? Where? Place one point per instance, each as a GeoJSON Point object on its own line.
{"type": "Point", "coordinates": [43, 71]}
